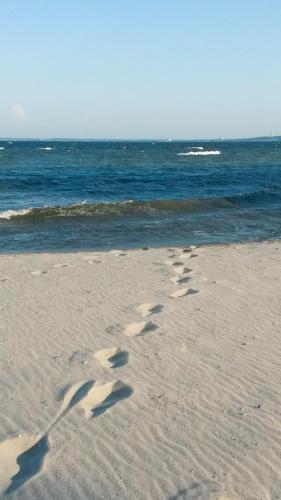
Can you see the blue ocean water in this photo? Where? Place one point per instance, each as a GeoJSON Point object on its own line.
{"type": "Point", "coordinates": [71, 195]}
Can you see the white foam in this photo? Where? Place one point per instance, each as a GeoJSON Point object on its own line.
{"type": "Point", "coordinates": [2, 147]}
{"type": "Point", "coordinates": [8, 214]}
{"type": "Point", "coordinates": [47, 148]}
{"type": "Point", "coordinates": [196, 147]}
{"type": "Point", "coordinates": [199, 153]}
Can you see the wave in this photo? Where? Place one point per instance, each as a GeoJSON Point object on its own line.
{"type": "Point", "coordinates": [141, 208]}
{"type": "Point", "coordinates": [2, 147]}
{"type": "Point", "coordinates": [8, 214]}
{"type": "Point", "coordinates": [199, 153]}
{"type": "Point", "coordinates": [197, 147]}
{"type": "Point", "coordinates": [46, 149]}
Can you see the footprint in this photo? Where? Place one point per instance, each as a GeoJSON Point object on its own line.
{"type": "Point", "coordinates": [136, 329]}
{"type": "Point", "coordinates": [185, 256]}
{"type": "Point", "coordinates": [187, 250]}
{"type": "Point", "coordinates": [2, 280]}
{"type": "Point", "coordinates": [22, 457]}
{"type": "Point", "coordinates": [182, 292]}
{"type": "Point", "coordinates": [37, 272]}
{"type": "Point", "coordinates": [180, 279]}
{"type": "Point", "coordinates": [148, 309]}
{"type": "Point", "coordinates": [59, 266]}
{"type": "Point", "coordinates": [182, 270]}
{"type": "Point", "coordinates": [112, 357]}
{"type": "Point", "coordinates": [118, 253]}
{"type": "Point", "coordinates": [91, 257]}
{"type": "Point", "coordinates": [102, 397]}
{"type": "Point", "coordinates": [176, 263]}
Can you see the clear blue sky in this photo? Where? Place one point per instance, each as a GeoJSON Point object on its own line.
{"type": "Point", "coordinates": [140, 69]}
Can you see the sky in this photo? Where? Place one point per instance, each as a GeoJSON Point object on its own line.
{"type": "Point", "coordinates": [140, 69]}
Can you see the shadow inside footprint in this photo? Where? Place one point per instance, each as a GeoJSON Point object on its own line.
{"type": "Point", "coordinates": [157, 309]}
{"type": "Point", "coordinates": [184, 279]}
{"type": "Point", "coordinates": [116, 396]}
{"type": "Point", "coordinates": [30, 463]}
{"type": "Point", "coordinates": [150, 327]}
{"type": "Point", "coordinates": [119, 359]}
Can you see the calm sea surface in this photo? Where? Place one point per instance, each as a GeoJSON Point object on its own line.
{"type": "Point", "coordinates": [67, 195]}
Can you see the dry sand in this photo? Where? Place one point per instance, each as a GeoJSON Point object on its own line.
{"type": "Point", "coordinates": [118, 382]}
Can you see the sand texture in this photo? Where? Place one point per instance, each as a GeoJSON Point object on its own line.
{"type": "Point", "coordinates": [141, 375]}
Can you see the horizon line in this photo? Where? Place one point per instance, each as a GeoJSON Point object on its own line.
{"type": "Point", "coordinates": [167, 139]}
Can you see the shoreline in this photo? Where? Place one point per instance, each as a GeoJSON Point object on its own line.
{"type": "Point", "coordinates": [141, 374]}
{"type": "Point", "coordinates": [145, 248]}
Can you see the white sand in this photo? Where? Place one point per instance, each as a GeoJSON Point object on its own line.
{"type": "Point", "coordinates": [187, 409]}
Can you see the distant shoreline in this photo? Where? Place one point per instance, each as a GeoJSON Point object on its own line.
{"type": "Point", "coordinates": [69, 139]}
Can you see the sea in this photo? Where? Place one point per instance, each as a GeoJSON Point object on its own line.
{"type": "Point", "coordinates": [61, 196]}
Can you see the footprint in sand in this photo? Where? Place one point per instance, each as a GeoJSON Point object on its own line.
{"type": "Point", "coordinates": [182, 292]}
{"type": "Point", "coordinates": [112, 357]}
{"type": "Point", "coordinates": [37, 272]}
{"type": "Point", "coordinates": [149, 309]}
{"type": "Point", "coordinates": [182, 270]}
{"type": "Point", "coordinates": [178, 280]}
{"type": "Point", "coordinates": [186, 256]}
{"type": "Point", "coordinates": [176, 263]}
{"type": "Point", "coordinates": [91, 257]}
{"type": "Point", "coordinates": [101, 397]}
{"type": "Point", "coordinates": [59, 266]}
{"type": "Point", "coordinates": [136, 329]}
{"type": "Point", "coordinates": [22, 457]}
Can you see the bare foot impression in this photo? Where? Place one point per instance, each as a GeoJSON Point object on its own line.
{"type": "Point", "coordinates": [151, 308]}
{"type": "Point", "coordinates": [182, 292]}
{"type": "Point", "coordinates": [37, 272]}
{"type": "Point", "coordinates": [102, 397]}
{"type": "Point", "coordinates": [187, 256]}
{"type": "Point", "coordinates": [175, 263]}
{"type": "Point", "coordinates": [59, 266]}
{"type": "Point", "coordinates": [182, 270]}
{"type": "Point", "coordinates": [136, 329]}
{"type": "Point", "coordinates": [178, 280]}
{"type": "Point", "coordinates": [112, 357]}
{"type": "Point", "coordinates": [22, 457]}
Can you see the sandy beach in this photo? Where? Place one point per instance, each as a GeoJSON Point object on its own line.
{"type": "Point", "coordinates": [141, 374]}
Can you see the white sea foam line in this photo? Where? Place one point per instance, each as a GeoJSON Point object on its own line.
{"type": "Point", "coordinates": [199, 153]}
{"type": "Point", "coordinates": [46, 149]}
{"type": "Point", "coordinates": [8, 214]}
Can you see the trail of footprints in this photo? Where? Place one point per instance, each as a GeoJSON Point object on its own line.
{"type": "Point", "coordinates": [22, 457]}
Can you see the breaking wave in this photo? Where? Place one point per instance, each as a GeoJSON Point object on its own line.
{"type": "Point", "coordinates": [140, 208]}
{"type": "Point", "coordinates": [8, 214]}
{"type": "Point", "coordinates": [199, 153]}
